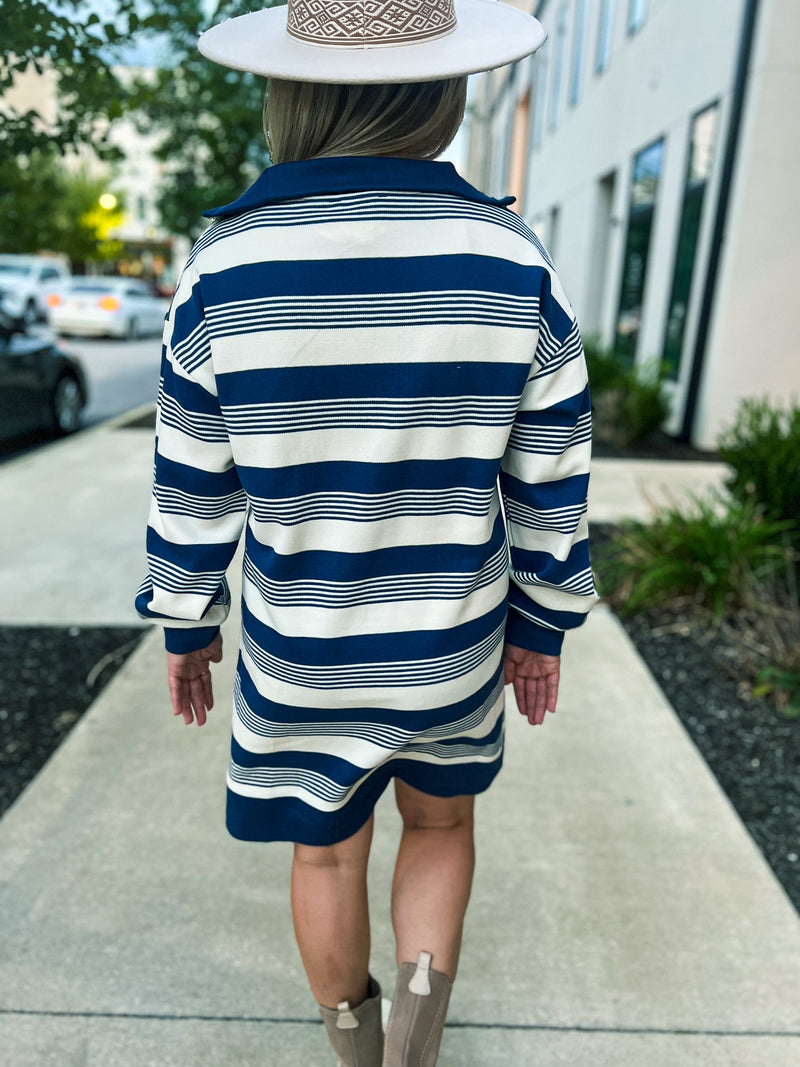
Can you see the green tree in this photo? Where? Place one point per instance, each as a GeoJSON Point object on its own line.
{"type": "Point", "coordinates": [213, 144]}
{"type": "Point", "coordinates": [44, 206]}
{"type": "Point", "coordinates": [71, 41]}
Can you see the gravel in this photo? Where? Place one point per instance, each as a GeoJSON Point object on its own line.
{"type": "Point", "coordinates": [752, 749]}
{"type": "Point", "coordinates": [48, 678]}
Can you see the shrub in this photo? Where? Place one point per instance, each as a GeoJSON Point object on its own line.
{"type": "Point", "coordinates": [629, 402]}
{"type": "Point", "coordinates": [710, 552]}
{"type": "Point", "coordinates": [763, 448]}
{"type": "Point", "coordinates": [644, 406]}
{"type": "Point", "coordinates": [604, 369]}
{"type": "Point", "coordinates": [783, 684]}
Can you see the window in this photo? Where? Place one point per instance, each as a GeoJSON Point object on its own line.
{"type": "Point", "coordinates": [644, 190]}
{"type": "Point", "coordinates": [605, 36]}
{"type": "Point", "coordinates": [540, 96]}
{"type": "Point", "coordinates": [701, 154]}
{"type": "Point", "coordinates": [558, 66]}
{"type": "Point", "coordinates": [637, 13]}
{"type": "Point", "coordinates": [578, 49]}
{"type": "Point", "coordinates": [518, 161]}
{"type": "Point", "coordinates": [552, 230]}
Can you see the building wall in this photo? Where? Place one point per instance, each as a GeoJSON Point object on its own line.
{"type": "Point", "coordinates": [754, 341]}
{"type": "Point", "coordinates": [578, 183]}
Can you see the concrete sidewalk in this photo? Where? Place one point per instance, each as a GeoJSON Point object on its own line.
{"type": "Point", "coordinates": [621, 913]}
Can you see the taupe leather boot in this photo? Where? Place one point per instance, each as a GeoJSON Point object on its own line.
{"type": "Point", "coordinates": [356, 1033]}
{"type": "Point", "coordinates": [416, 1022]}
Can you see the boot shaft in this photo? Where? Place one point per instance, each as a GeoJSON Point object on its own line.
{"type": "Point", "coordinates": [416, 1022]}
{"type": "Point", "coordinates": [356, 1033]}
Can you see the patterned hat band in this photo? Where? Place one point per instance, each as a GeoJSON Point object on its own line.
{"type": "Point", "coordinates": [369, 23]}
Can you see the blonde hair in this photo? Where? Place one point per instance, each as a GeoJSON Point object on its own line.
{"type": "Point", "coordinates": [307, 120]}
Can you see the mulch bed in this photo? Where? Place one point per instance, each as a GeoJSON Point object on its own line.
{"type": "Point", "coordinates": [750, 746]}
{"type": "Point", "coordinates": [48, 678]}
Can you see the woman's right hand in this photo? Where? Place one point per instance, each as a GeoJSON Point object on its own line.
{"type": "Point", "coordinates": [535, 679]}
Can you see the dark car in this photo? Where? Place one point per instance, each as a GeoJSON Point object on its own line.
{"type": "Point", "coordinates": [41, 385]}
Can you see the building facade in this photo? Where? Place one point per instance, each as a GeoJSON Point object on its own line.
{"type": "Point", "coordinates": [148, 250]}
{"type": "Point", "coordinates": [654, 146]}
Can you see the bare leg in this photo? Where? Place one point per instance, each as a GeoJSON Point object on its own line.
{"type": "Point", "coordinates": [433, 876]}
{"type": "Point", "coordinates": [331, 917]}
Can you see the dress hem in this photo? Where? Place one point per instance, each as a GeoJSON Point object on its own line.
{"type": "Point", "coordinates": [290, 819]}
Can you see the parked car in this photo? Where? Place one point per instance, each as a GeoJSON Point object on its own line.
{"type": "Point", "coordinates": [116, 307]}
{"type": "Point", "coordinates": [41, 385]}
{"type": "Point", "coordinates": [25, 281]}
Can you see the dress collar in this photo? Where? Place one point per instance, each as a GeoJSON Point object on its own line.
{"type": "Point", "coordinates": [352, 174]}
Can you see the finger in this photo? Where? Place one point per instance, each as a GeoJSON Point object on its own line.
{"type": "Point", "coordinates": [519, 693]}
{"type": "Point", "coordinates": [540, 703]}
{"type": "Point", "coordinates": [531, 694]}
{"type": "Point", "coordinates": [198, 700]}
{"type": "Point", "coordinates": [208, 692]}
{"type": "Point", "coordinates": [509, 671]}
{"type": "Point", "coordinates": [552, 692]}
{"type": "Point", "coordinates": [180, 700]}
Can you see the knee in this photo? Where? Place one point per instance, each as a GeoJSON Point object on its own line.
{"type": "Point", "coordinates": [419, 811]}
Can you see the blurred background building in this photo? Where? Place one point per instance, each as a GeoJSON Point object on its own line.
{"type": "Point", "coordinates": [654, 146]}
{"type": "Point", "coordinates": [146, 249]}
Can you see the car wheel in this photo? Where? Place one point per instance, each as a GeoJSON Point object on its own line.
{"type": "Point", "coordinates": [30, 316]}
{"type": "Point", "coordinates": [66, 404]}
{"type": "Point", "coordinates": [132, 331]}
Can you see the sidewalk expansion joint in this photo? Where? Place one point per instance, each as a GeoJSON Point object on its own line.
{"type": "Point", "coordinates": [678, 1031]}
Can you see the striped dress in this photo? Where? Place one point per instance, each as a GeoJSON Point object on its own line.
{"type": "Point", "coordinates": [371, 368]}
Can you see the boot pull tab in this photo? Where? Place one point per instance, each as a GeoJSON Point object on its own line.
{"type": "Point", "coordinates": [420, 982]}
{"type": "Point", "coordinates": [346, 1020]}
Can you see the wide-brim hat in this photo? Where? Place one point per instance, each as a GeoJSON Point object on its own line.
{"type": "Point", "coordinates": [373, 41]}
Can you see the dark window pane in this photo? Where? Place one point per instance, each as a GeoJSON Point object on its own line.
{"type": "Point", "coordinates": [704, 129]}
{"type": "Point", "coordinates": [644, 189]}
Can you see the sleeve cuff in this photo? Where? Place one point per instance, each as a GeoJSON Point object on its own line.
{"type": "Point", "coordinates": [531, 635]}
{"type": "Point", "coordinates": [188, 639]}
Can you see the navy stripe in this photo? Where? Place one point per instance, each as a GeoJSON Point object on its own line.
{"type": "Point", "coordinates": [563, 494]}
{"type": "Point", "coordinates": [199, 558]}
{"type": "Point", "coordinates": [372, 381]}
{"type": "Point", "coordinates": [434, 274]}
{"type": "Point", "coordinates": [343, 566]}
{"type": "Point", "coordinates": [364, 477]}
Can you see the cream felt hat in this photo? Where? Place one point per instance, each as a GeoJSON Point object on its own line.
{"type": "Point", "coordinates": [363, 41]}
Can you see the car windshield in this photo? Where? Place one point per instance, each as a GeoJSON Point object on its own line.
{"type": "Point", "coordinates": [23, 270]}
{"type": "Point", "coordinates": [92, 288]}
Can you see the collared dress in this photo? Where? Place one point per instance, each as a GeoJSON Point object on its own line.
{"type": "Point", "coordinates": [371, 368]}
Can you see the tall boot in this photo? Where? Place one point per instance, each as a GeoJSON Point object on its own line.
{"type": "Point", "coordinates": [416, 1022]}
{"type": "Point", "coordinates": [356, 1033]}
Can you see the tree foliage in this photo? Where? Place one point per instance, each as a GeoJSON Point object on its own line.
{"type": "Point", "coordinates": [74, 43]}
{"type": "Point", "coordinates": [210, 117]}
{"type": "Point", "coordinates": [45, 207]}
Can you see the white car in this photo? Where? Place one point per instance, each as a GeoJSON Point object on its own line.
{"type": "Point", "coordinates": [113, 306]}
{"type": "Point", "coordinates": [25, 281]}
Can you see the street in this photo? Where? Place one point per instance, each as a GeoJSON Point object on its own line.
{"type": "Point", "coordinates": [122, 374]}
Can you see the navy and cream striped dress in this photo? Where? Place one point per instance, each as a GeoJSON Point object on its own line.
{"type": "Point", "coordinates": [363, 358]}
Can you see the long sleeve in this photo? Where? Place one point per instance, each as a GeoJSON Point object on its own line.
{"type": "Point", "coordinates": [198, 505]}
{"type": "Point", "coordinates": [544, 481]}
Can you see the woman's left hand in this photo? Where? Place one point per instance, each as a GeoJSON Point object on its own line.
{"type": "Point", "coordinates": [190, 681]}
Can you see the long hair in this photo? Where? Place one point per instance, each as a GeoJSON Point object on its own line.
{"type": "Point", "coordinates": [307, 120]}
